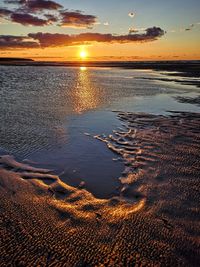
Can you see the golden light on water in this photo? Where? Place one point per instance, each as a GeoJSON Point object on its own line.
{"type": "Point", "coordinates": [83, 68]}
{"type": "Point", "coordinates": [86, 96]}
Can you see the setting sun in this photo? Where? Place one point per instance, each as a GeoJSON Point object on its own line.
{"type": "Point", "coordinates": [83, 54]}
{"type": "Point", "coordinates": [99, 139]}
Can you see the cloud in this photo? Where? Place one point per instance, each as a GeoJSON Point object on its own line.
{"type": "Point", "coordinates": [15, 2]}
{"type": "Point", "coordinates": [33, 12]}
{"type": "Point", "coordinates": [52, 40]}
{"type": "Point", "coordinates": [77, 19]}
{"type": "Point", "coordinates": [27, 19]}
{"type": "Point", "coordinates": [190, 27]}
{"type": "Point", "coordinates": [131, 14]}
{"type": "Point", "coordinates": [42, 4]}
{"type": "Point", "coordinates": [13, 42]}
{"type": "Point", "coordinates": [4, 12]}
{"type": "Point", "coordinates": [132, 30]}
{"type": "Point", "coordinates": [44, 40]}
{"type": "Point", "coordinates": [33, 5]}
{"type": "Point", "coordinates": [172, 31]}
{"type": "Point", "coordinates": [51, 18]}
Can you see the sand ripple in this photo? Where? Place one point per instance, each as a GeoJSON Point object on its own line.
{"type": "Point", "coordinates": [154, 221]}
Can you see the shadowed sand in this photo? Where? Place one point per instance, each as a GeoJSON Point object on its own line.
{"type": "Point", "coordinates": [154, 221]}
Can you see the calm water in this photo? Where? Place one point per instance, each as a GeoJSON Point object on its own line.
{"type": "Point", "coordinates": [46, 111]}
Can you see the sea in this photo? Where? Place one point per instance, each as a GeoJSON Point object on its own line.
{"type": "Point", "coordinates": [50, 115]}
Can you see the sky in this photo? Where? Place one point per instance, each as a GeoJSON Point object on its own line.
{"type": "Point", "coordinates": [100, 30]}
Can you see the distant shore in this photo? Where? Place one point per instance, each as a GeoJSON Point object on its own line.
{"type": "Point", "coordinates": [17, 59]}
{"type": "Point", "coordinates": [191, 67]}
{"type": "Point", "coordinates": [164, 64]}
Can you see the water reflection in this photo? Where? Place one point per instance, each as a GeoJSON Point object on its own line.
{"type": "Point", "coordinates": [83, 68]}
{"type": "Point", "coordinates": [35, 103]}
{"type": "Point", "coordinates": [86, 96]}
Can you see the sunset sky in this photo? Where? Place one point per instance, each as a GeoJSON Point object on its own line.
{"type": "Point", "coordinates": [100, 30]}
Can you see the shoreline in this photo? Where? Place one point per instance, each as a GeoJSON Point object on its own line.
{"type": "Point", "coordinates": [156, 212]}
{"type": "Point", "coordinates": [152, 219]}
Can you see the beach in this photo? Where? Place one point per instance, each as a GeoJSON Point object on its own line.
{"type": "Point", "coordinates": [149, 215]}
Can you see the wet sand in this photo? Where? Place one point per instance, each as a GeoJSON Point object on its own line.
{"type": "Point", "coordinates": [152, 221]}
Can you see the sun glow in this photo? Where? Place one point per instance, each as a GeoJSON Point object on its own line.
{"type": "Point", "coordinates": [83, 54]}
{"type": "Point", "coordinates": [83, 68]}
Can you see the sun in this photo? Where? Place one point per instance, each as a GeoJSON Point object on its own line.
{"type": "Point", "coordinates": [83, 54]}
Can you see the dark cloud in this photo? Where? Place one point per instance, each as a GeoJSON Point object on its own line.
{"type": "Point", "coordinates": [50, 39]}
{"type": "Point", "coordinates": [77, 19]}
{"type": "Point", "coordinates": [42, 4]}
{"type": "Point", "coordinates": [13, 42]}
{"type": "Point", "coordinates": [5, 12]}
{"type": "Point", "coordinates": [51, 18]}
{"type": "Point", "coordinates": [154, 32]}
{"type": "Point", "coordinates": [33, 12]}
{"type": "Point", "coordinates": [42, 40]}
{"type": "Point", "coordinates": [33, 5]}
{"type": "Point", "coordinates": [15, 2]}
{"type": "Point", "coordinates": [27, 19]}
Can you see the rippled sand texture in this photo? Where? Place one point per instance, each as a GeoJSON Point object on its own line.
{"type": "Point", "coordinates": [154, 220]}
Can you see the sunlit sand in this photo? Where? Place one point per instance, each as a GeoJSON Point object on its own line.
{"type": "Point", "coordinates": [153, 220]}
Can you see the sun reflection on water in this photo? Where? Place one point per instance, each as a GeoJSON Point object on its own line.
{"type": "Point", "coordinates": [82, 68]}
{"type": "Point", "coordinates": [86, 95]}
